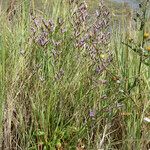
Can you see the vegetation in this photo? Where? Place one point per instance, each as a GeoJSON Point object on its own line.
{"type": "Point", "coordinates": [74, 77]}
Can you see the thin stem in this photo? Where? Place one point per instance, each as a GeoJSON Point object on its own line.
{"type": "Point", "coordinates": [142, 28]}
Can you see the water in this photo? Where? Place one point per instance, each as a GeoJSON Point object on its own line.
{"type": "Point", "coordinates": [132, 3]}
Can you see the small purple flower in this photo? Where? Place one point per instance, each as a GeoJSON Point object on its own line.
{"type": "Point", "coordinates": [92, 114]}
{"type": "Point", "coordinates": [42, 41]}
{"type": "Point", "coordinates": [99, 69]}
{"type": "Point", "coordinates": [44, 34]}
{"type": "Point", "coordinates": [51, 23]}
{"type": "Point", "coordinates": [33, 30]}
{"type": "Point", "coordinates": [97, 13]}
{"type": "Point", "coordinates": [37, 23]}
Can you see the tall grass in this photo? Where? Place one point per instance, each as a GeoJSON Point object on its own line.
{"type": "Point", "coordinates": [65, 83]}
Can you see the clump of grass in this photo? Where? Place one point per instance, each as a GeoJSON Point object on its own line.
{"type": "Point", "coordinates": [54, 70]}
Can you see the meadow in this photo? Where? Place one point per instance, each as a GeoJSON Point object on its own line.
{"type": "Point", "coordinates": [74, 75]}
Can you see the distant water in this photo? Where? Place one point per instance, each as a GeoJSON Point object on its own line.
{"type": "Point", "coordinates": [132, 3]}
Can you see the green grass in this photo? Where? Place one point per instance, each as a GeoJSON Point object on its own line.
{"type": "Point", "coordinates": [46, 101]}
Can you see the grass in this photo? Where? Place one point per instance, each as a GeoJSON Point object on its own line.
{"type": "Point", "coordinates": [64, 91]}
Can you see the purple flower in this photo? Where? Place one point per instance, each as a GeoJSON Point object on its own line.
{"type": "Point", "coordinates": [37, 23]}
{"type": "Point", "coordinates": [97, 13]}
{"type": "Point", "coordinates": [33, 30]}
{"type": "Point", "coordinates": [42, 41]}
{"type": "Point", "coordinates": [92, 114]}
